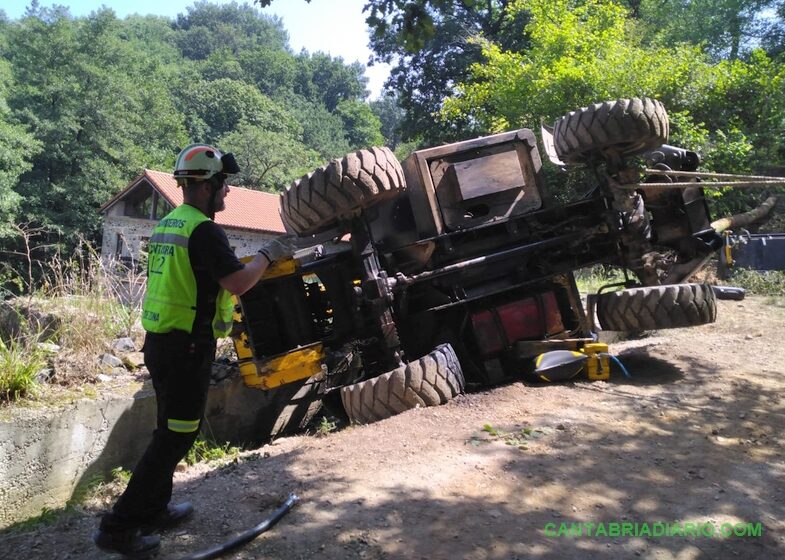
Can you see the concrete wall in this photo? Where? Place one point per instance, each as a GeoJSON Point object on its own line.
{"type": "Point", "coordinates": [46, 455]}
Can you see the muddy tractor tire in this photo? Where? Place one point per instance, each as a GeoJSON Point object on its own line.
{"type": "Point", "coordinates": [657, 307]}
{"type": "Point", "coordinates": [317, 201]}
{"type": "Point", "coordinates": [289, 409]}
{"type": "Point", "coordinates": [624, 126]}
{"type": "Point", "coordinates": [432, 380]}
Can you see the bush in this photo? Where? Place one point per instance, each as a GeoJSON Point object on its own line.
{"type": "Point", "coordinates": [767, 283]}
{"type": "Point", "coordinates": [20, 361]}
{"type": "Point", "coordinates": [206, 450]}
{"type": "Point", "coordinates": [591, 279]}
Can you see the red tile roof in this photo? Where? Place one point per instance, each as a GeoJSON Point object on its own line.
{"type": "Point", "coordinates": [245, 208]}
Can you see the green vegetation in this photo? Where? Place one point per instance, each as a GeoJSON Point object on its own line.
{"type": "Point", "coordinates": [100, 489]}
{"type": "Point", "coordinates": [86, 103]}
{"type": "Point", "coordinates": [78, 306]}
{"type": "Point", "coordinates": [591, 279]}
{"type": "Point", "coordinates": [326, 427]}
{"type": "Point", "coordinates": [767, 283]}
{"type": "Point", "coordinates": [519, 437]}
{"type": "Point", "coordinates": [20, 361]}
{"type": "Point", "coordinates": [97, 493]}
{"type": "Point", "coordinates": [207, 450]}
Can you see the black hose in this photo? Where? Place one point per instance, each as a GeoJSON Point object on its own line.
{"type": "Point", "coordinates": [248, 535]}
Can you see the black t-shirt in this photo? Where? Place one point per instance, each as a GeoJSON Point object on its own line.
{"type": "Point", "coordinates": [211, 259]}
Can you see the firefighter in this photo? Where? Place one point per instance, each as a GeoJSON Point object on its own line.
{"type": "Point", "coordinates": [192, 272]}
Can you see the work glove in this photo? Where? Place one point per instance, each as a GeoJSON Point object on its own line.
{"type": "Point", "coordinates": [279, 248]}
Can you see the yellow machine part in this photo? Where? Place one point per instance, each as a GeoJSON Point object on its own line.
{"type": "Point", "coordinates": [284, 368]}
{"type": "Point", "coordinates": [283, 267]}
{"type": "Point", "coordinates": [598, 367]}
{"type": "Point", "coordinates": [278, 370]}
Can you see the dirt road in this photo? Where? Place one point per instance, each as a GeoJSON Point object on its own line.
{"type": "Point", "coordinates": [695, 436]}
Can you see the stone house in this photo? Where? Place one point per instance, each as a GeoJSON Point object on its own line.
{"type": "Point", "coordinates": [250, 216]}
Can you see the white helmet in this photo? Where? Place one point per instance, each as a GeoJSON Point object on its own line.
{"type": "Point", "coordinates": [202, 161]}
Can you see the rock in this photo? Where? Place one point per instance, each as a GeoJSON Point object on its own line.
{"type": "Point", "coordinates": [109, 361]}
{"type": "Point", "coordinates": [24, 315]}
{"type": "Point", "coordinates": [133, 360]}
{"type": "Point", "coordinates": [48, 347]}
{"type": "Point", "coordinates": [44, 375]}
{"type": "Point", "coordinates": [221, 371]}
{"type": "Point", "coordinates": [103, 378]}
{"type": "Point", "coordinates": [123, 345]}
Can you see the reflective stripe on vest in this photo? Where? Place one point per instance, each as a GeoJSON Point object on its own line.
{"type": "Point", "coordinates": [170, 299]}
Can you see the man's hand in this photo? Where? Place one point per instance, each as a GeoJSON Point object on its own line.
{"type": "Point", "coordinates": [278, 248]}
{"type": "Point", "coordinates": [242, 280]}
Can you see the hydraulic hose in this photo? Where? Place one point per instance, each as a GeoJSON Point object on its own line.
{"type": "Point", "coordinates": [617, 361]}
{"type": "Point", "coordinates": [247, 536]}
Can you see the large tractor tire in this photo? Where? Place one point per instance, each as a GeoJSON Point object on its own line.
{"type": "Point", "coordinates": [290, 409]}
{"type": "Point", "coordinates": [625, 126]}
{"type": "Point", "coordinates": [657, 307]}
{"type": "Point", "coordinates": [432, 380]}
{"type": "Point", "coordinates": [318, 200]}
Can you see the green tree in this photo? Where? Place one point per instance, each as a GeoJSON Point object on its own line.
{"type": "Point", "coordinates": [328, 80]}
{"type": "Point", "coordinates": [578, 55]}
{"type": "Point", "coordinates": [363, 128]}
{"type": "Point", "coordinates": [97, 104]}
{"type": "Point", "coordinates": [391, 116]}
{"type": "Point", "coordinates": [431, 46]}
{"type": "Point", "coordinates": [272, 71]}
{"type": "Point", "coordinates": [323, 131]}
{"type": "Point", "coordinates": [725, 28]}
{"type": "Point", "coordinates": [217, 107]}
{"type": "Point", "coordinates": [17, 147]}
{"type": "Point", "coordinates": [207, 27]}
{"type": "Point", "coordinates": [268, 160]}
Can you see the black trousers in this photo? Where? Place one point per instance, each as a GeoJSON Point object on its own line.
{"type": "Point", "coordinates": [180, 370]}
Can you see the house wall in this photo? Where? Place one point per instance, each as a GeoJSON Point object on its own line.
{"type": "Point", "coordinates": [131, 232]}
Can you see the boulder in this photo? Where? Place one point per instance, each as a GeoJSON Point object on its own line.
{"type": "Point", "coordinates": [123, 345]}
{"type": "Point", "coordinates": [110, 361]}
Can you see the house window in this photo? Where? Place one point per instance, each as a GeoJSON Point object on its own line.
{"type": "Point", "coordinates": [145, 202]}
{"type": "Point", "coordinates": [119, 246]}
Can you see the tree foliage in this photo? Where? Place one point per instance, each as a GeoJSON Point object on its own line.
{"type": "Point", "coordinates": [17, 147]}
{"type": "Point", "coordinates": [723, 28]}
{"type": "Point", "coordinates": [731, 111]}
{"type": "Point", "coordinates": [217, 107]}
{"type": "Point", "coordinates": [363, 126]}
{"type": "Point", "coordinates": [268, 159]}
{"type": "Point", "coordinates": [432, 44]}
{"type": "Point", "coordinates": [78, 92]}
{"type": "Point", "coordinates": [87, 103]}
{"type": "Point", "coordinates": [391, 116]}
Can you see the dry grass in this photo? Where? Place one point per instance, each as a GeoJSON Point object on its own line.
{"type": "Point", "coordinates": [82, 306]}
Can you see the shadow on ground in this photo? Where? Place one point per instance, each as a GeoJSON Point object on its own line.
{"type": "Point", "coordinates": [672, 444]}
